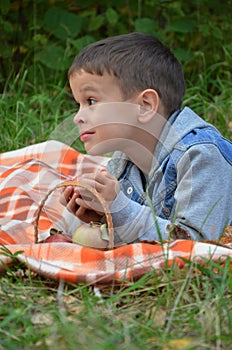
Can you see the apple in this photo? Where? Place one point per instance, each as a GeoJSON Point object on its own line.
{"type": "Point", "coordinates": [93, 235]}
{"type": "Point", "coordinates": [57, 236]}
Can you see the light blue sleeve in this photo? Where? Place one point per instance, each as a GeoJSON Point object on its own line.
{"type": "Point", "coordinates": [134, 222]}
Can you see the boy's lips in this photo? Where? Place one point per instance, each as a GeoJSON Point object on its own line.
{"type": "Point", "coordinates": [85, 136]}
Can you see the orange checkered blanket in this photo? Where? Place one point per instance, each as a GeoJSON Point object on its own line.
{"type": "Point", "coordinates": [26, 176]}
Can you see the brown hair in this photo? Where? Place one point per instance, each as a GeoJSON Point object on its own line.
{"type": "Point", "coordinates": [139, 61]}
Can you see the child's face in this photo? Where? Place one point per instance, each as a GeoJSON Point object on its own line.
{"type": "Point", "coordinates": [106, 121]}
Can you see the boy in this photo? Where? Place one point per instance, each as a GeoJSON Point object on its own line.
{"type": "Point", "coordinates": [130, 90]}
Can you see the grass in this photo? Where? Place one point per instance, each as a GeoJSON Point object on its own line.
{"type": "Point", "coordinates": [190, 307]}
{"type": "Point", "coordinates": [210, 96]}
{"type": "Point", "coordinates": [32, 114]}
{"type": "Point", "coordinates": [176, 309]}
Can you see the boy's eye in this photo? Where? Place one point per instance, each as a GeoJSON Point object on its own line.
{"type": "Point", "coordinates": [91, 101]}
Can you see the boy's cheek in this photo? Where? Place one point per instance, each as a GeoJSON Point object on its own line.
{"type": "Point", "coordinates": [107, 113]}
{"type": "Point", "coordinates": [120, 112]}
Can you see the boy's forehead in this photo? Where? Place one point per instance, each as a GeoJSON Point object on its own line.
{"type": "Point", "coordinates": [104, 86]}
{"type": "Point", "coordinates": [90, 81]}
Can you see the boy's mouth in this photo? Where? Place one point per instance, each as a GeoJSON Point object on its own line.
{"type": "Point", "coordinates": [85, 136]}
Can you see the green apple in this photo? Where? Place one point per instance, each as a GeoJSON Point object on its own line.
{"type": "Point", "coordinates": [93, 235]}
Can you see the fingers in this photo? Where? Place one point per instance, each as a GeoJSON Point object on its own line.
{"type": "Point", "coordinates": [71, 198]}
{"type": "Point", "coordinates": [104, 183]}
{"type": "Point", "coordinates": [90, 203]}
{"type": "Point", "coordinates": [83, 203]}
{"type": "Point", "coordinates": [72, 205]}
{"type": "Point", "coordinates": [68, 198]}
{"type": "Point", "coordinates": [100, 177]}
{"type": "Point", "coordinates": [66, 194]}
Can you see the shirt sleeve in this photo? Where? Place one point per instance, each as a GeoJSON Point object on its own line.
{"type": "Point", "coordinates": [134, 222]}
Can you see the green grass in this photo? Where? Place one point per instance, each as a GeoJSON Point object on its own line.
{"type": "Point", "coordinates": [193, 305]}
{"type": "Point", "coordinates": [210, 96]}
{"type": "Point", "coordinates": [31, 114]}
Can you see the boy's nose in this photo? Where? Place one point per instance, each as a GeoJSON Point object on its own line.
{"type": "Point", "coordinates": [78, 118]}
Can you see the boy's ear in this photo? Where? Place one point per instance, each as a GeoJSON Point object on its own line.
{"type": "Point", "coordinates": [149, 104]}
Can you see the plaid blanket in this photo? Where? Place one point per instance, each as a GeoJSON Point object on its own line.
{"type": "Point", "coordinates": [26, 176]}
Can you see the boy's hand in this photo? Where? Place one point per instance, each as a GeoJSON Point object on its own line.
{"type": "Point", "coordinates": [83, 203]}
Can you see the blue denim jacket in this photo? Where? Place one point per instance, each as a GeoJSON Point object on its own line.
{"type": "Point", "coordinates": [189, 184]}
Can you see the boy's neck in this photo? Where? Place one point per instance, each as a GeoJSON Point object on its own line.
{"type": "Point", "coordinates": [142, 159]}
{"type": "Point", "coordinates": [141, 149]}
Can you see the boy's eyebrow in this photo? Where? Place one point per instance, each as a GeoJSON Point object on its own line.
{"type": "Point", "coordinates": [88, 88]}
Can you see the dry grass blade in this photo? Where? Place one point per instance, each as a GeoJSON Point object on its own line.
{"type": "Point", "coordinates": [90, 189]}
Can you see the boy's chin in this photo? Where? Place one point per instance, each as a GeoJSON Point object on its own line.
{"type": "Point", "coordinates": [99, 150]}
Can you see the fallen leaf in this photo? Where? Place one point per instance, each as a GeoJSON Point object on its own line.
{"type": "Point", "coordinates": [41, 319]}
{"type": "Point", "coordinates": [178, 344]}
{"type": "Point", "coordinates": [230, 126]}
{"type": "Point", "coordinates": [157, 315]}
